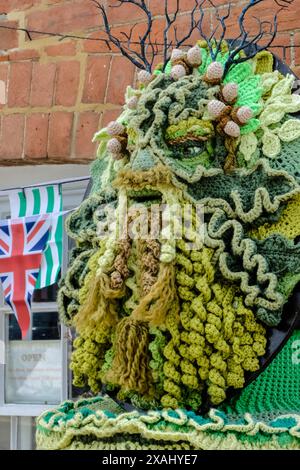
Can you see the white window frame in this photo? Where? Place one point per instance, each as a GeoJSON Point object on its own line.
{"type": "Point", "coordinates": [72, 194]}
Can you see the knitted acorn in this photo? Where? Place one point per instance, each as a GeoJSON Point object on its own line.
{"type": "Point", "coordinates": [144, 77]}
{"type": "Point", "coordinates": [194, 56]}
{"type": "Point", "coordinates": [214, 72]}
{"type": "Point", "coordinates": [230, 92]}
{"type": "Point", "coordinates": [215, 108]}
{"type": "Point", "coordinates": [178, 71]}
{"type": "Point", "coordinates": [232, 129]}
{"type": "Point", "coordinates": [244, 114]}
{"type": "Point", "coordinates": [132, 102]}
{"type": "Point", "coordinates": [115, 128]}
{"type": "Point", "coordinates": [115, 148]}
{"type": "Point", "coordinates": [177, 54]}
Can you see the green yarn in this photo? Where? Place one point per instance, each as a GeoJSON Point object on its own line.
{"type": "Point", "coordinates": [165, 323]}
{"type": "Point", "coordinates": [265, 416]}
{"type": "Point", "coordinates": [276, 390]}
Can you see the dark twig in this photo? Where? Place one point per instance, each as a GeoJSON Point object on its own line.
{"type": "Point", "coordinates": [249, 44]}
{"type": "Point", "coordinates": [139, 59]}
{"type": "Point", "coordinates": [169, 22]}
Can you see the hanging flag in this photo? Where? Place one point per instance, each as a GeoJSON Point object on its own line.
{"type": "Point", "coordinates": [43, 200]}
{"type": "Point", "coordinates": [22, 242]}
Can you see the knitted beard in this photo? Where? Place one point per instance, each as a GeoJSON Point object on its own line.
{"type": "Point", "coordinates": [166, 320]}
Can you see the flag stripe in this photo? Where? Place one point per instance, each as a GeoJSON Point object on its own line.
{"type": "Point", "coordinates": [22, 206]}
{"type": "Point", "coordinates": [40, 201]}
{"type": "Point", "coordinates": [50, 199]}
{"type": "Point", "coordinates": [36, 201]}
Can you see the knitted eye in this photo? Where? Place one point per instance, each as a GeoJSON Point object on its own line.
{"type": "Point", "coordinates": [115, 128]}
{"type": "Point", "coordinates": [232, 129]}
{"type": "Point", "coordinates": [178, 71]}
{"type": "Point", "coordinates": [230, 92]}
{"type": "Point", "coordinates": [215, 108]}
{"type": "Point", "coordinates": [194, 56]}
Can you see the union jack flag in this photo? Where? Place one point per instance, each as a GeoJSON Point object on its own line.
{"type": "Point", "coordinates": [22, 242]}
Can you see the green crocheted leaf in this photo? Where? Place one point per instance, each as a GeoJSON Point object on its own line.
{"type": "Point", "coordinates": [204, 64]}
{"type": "Point", "coordinates": [282, 254]}
{"type": "Point", "coordinates": [248, 145]}
{"type": "Point", "coordinates": [290, 130]}
{"type": "Point", "coordinates": [168, 68]}
{"type": "Point", "coordinates": [251, 126]}
{"type": "Point", "coordinates": [283, 87]}
{"type": "Point", "coordinates": [239, 73]}
{"type": "Point", "coordinates": [268, 80]}
{"type": "Point", "coordinates": [271, 144]}
{"type": "Point", "coordinates": [250, 92]}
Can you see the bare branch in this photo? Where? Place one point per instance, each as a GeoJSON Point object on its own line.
{"type": "Point", "coordinates": [169, 22]}
{"type": "Point", "coordinates": [139, 59]}
{"type": "Point", "coordinates": [250, 44]}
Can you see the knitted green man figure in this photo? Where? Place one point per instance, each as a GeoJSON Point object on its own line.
{"type": "Point", "coordinates": [186, 255]}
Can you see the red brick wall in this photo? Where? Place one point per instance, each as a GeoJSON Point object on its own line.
{"type": "Point", "coordinates": [55, 94]}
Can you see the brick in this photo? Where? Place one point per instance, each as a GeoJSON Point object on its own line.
{"type": "Point", "coordinates": [43, 76]}
{"type": "Point", "coordinates": [67, 83]}
{"type": "Point", "coordinates": [96, 79]}
{"type": "Point", "coordinates": [23, 54]}
{"type": "Point", "coordinates": [88, 124]}
{"type": "Point", "coordinates": [296, 71]}
{"type": "Point", "coordinates": [19, 84]}
{"type": "Point", "coordinates": [66, 17]}
{"type": "Point", "coordinates": [157, 7]}
{"type": "Point", "coordinates": [93, 45]}
{"type": "Point", "coordinates": [60, 135]}
{"type": "Point", "coordinates": [121, 75]}
{"type": "Point", "coordinates": [282, 40]}
{"type": "Point", "coordinates": [8, 37]}
{"type": "Point", "coordinates": [62, 49]}
{"type": "Point", "coordinates": [297, 49]}
{"type": "Point", "coordinates": [12, 137]}
{"type": "Point", "coordinates": [3, 84]}
{"type": "Point", "coordinates": [110, 115]}
{"type": "Point", "coordinates": [36, 136]}
{"type": "Point", "coordinates": [124, 14]}
{"type": "Point", "coordinates": [183, 25]}
{"type": "Point", "coordinates": [7, 6]}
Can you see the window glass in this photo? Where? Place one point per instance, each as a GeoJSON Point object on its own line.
{"type": "Point", "coordinates": [33, 371]}
{"type": "Point", "coordinates": [47, 294]}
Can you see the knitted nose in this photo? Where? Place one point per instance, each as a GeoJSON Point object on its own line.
{"type": "Point", "coordinates": [143, 160]}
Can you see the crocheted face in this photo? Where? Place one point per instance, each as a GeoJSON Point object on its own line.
{"type": "Point", "coordinates": [166, 320]}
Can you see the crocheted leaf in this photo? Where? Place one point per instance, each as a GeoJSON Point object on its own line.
{"type": "Point", "coordinates": [282, 254]}
{"type": "Point", "coordinates": [239, 73]}
{"type": "Point", "coordinates": [271, 144]}
{"type": "Point", "coordinates": [290, 103]}
{"type": "Point", "coordinates": [168, 67]}
{"type": "Point", "coordinates": [283, 87]}
{"type": "Point", "coordinates": [290, 130]}
{"type": "Point", "coordinates": [101, 135]}
{"type": "Point", "coordinates": [268, 80]}
{"type": "Point", "coordinates": [272, 114]}
{"type": "Point", "coordinates": [250, 93]}
{"type": "Point", "coordinates": [251, 126]}
{"type": "Point", "coordinates": [248, 145]}
{"type": "Point", "coordinates": [204, 65]}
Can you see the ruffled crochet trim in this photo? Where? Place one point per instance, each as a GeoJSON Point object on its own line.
{"type": "Point", "coordinates": [66, 427]}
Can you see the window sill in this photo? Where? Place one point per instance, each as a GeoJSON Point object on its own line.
{"type": "Point", "coordinates": [24, 410]}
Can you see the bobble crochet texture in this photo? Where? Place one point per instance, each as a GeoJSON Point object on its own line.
{"type": "Point", "coordinates": [168, 321]}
